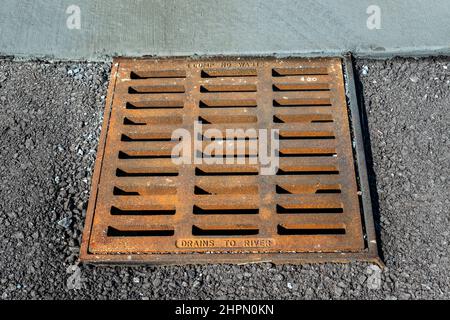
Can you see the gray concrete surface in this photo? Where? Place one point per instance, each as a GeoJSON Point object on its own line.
{"type": "Point", "coordinates": [50, 116]}
{"type": "Point", "coordinates": [37, 28]}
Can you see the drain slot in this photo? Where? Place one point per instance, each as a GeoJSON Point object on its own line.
{"type": "Point", "coordinates": [307, 153]}
{"type": "Point", "coordinates": [132, 155]}
{"type": "Point", "coordinates": [293, 102]}
{"type": "Point", "coordinates": [155, 89]}
{"type": "Point", "coordinates": [300, 210]}
{"type": "Point", "coordinates": [281, 172]}
{"type": "Point", "coordinates": [113, 232]}
{"type": "Point", "coordinates": [228, 88]}
{"type": "Point", "coordinates": [123, 173]}
{"type": "Point", "coordinates": [216, 119]}
{"type": "Point", "coordinates": [218, 231]}
{"type": "Point", "coordinates": [214, 189]}
{"type": "Point", "coordinates": [200, 172]}
{"type": "Point", "coordinates": [157, 74]}
{"type": "Point", "coordinates": [309, 232]}
{"type": "Point", "coordinates": [200, 211]}
{"type": "Point", "coordinates": [143, 190]}
{"type": "Point", "coordinates": [301, 87]}
{"type": "Point", "coordinates": [143, 212]}
{"type": "Point", "coordinates": [227, 103]}
{"type": "Point", "coordinates": [132, 121]}
{"type": "Point", "coordinates": [238, 72]}
{"type": "Point", "coordinates": [127, 138]}
{"type": "Point", "coordinates": [280, 72]}
{"type": "Point", "coordinates": [305, 189]}
{"type": "Point", "coordinates": [154, 105]}
{"type": "Point", "coordinates": [302, 118]}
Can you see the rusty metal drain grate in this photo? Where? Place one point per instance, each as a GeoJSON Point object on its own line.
{"type": "Point", "coordinates": [147, 207]}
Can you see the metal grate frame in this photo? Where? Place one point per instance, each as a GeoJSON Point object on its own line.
{"type": "Point", "coordinates": [145, 209]}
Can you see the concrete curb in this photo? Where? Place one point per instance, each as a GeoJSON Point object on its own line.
{"type": "Point", "coordinates": [39, 28]}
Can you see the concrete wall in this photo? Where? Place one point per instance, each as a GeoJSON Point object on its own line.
{"type": "Point", "coordinates": [37, 28]}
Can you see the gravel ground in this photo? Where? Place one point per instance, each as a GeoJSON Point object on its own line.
{"type": "Point", "coordinates": [50, 115]}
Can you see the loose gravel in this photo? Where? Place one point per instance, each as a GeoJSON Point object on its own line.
{"type": "Point", "coordinates": [50, 117]}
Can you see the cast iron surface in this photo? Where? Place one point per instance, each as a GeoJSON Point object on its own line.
{"type": "Point", "coordinates": [144, 208]}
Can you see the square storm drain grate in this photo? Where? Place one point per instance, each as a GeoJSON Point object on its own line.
{"type": "Point", "coordinates": [228, 160]}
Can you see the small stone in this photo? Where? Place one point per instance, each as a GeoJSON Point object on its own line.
{"type": "Point", "coordinates": [29, 143]}
{"type": "Point", "coordinates": [278, 277]}
{"type": "Point", "coordinates": [11, 215]}
{"type": "Point", "coordinates": [18, 235]}
{"type": "Point", "coordinates": [80, 205]}
{"type": "Point", "coordinates": [156, 282]}
{"type": "Point", "coordinates": [365, 70]}
{"type": "Point", "coordinates": [309, 293]}
{"type": "Point", "coordinates": [361, 279]}
{"type": "Point", "coordinates": [65, 222]}
{"type": "Point", "coordinates": [338, 291]}
{"type": "Point", "coordinates": [404, 296]}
